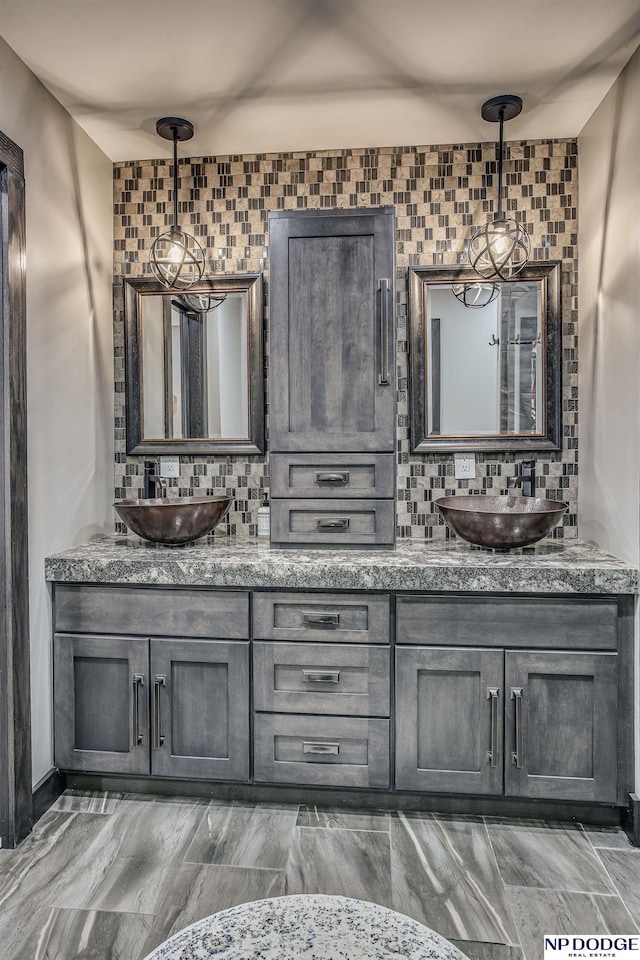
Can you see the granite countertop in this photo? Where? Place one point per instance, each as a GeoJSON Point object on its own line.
{"type": "Point", "coordinates": [550, 566]}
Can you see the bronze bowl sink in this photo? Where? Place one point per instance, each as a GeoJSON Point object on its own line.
{"type": "Point", "coordinates": [500, 522]}
{"type": "Point", "coordinates": [173, 521]}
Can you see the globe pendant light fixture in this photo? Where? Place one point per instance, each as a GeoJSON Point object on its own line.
{"type": "Point", "coordinates": [177, 259]}
{"type": "Point", "coordinates": [476, 294]}
{"type": "Point", "coordinates": [500, 249]}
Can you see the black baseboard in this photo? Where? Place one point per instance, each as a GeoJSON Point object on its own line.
{"type": "Point", "coordinates": [631, 819]}
{"type": "Point", "coordinates": [599, 814]}
{"type": "Point", "coordinates": [46, 791]}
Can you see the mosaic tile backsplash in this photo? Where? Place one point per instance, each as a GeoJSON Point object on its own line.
{"type": "Point", "coordinates": [440, 193]}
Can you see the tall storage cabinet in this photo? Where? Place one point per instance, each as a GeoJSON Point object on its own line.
{"type": "Point", "coordinates": [332, 377]}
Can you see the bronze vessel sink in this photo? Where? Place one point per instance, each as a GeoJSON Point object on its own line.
{"type": "Point", "coordinates": [500, 522]}
{"type": "Point", "coordinates": [172, 521]}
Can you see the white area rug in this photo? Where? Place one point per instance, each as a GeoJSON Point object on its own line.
{"type": "Point", "coordinates": [307, 927]}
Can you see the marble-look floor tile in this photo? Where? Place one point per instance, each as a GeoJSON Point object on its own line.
{"type": "Point", "coordinates": [37, 872]}
{"type": "Point", "coordinates": [90, 802]}
{"type": "Point", "coordinates": [536, 853]}
{"type": "Point", "coordinates": [244, 835]}
{"type": "Point", "coordinates": [340, 862]}
{"type": "Point", "coordinates": [195, 891]}
{"type": "Point", "coordinates": [341, 819]}
{"type": "Point", "coordinates": [609, 837]}
{"type": "Point", "coordinates": [477, 950]}
{"type": "Point", "coordinates": [79, 934]}
{"type": "Point", "coordinates": [539, 912]}
{"type": "Point", "coordinates": [444, 874]}
{"type": "Point", "coordinates": [623, 866]}
{"type": "Point", "coordinates": [126, 865]}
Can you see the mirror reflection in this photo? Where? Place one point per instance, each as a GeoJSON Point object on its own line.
{"type": "Point", "coordinates": [194, 368]}
{"type": "Point", "coordinates": [485, 360]}
{"type": "Point", "coordinates": [485, 365]}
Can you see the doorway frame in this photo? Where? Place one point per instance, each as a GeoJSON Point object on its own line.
{"type": "Point", "coordinates": [16, 804]}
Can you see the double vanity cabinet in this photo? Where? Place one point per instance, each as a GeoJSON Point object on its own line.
{"type": "Point", "coordinates": [411, 676]}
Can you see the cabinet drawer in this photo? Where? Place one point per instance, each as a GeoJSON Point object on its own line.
{"type": "Point", "coordinates": [352, 681]}
{"type": "Point", "coordinates": [469, 621]}
{"type": "Point", "coordinates": [350, 618]}
{"type": "Point", "coordinates": [139, 610]}
{"type": "Point", "coordinates": [332, 522]}
{"type": "Point", "coordinates": [324, 751]}
{"type": "Point", "coordinates": [324, 475]}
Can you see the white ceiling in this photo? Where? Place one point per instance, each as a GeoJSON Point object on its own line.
{"type": "Point", "coordinates": [270, 75]}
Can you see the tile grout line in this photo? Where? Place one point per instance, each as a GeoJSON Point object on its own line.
{"type": "Point", "coordinates": [611, 880]}
{"type": "Point", "coordinates": [504, 886]}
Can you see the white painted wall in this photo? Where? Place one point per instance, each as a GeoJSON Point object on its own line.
{"type": "Point", "coordinates": [609, 325]}
{"type": "Point", "coordinates": [69, 348]}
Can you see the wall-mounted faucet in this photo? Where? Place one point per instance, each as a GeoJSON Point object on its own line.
{"type": "Point", "coordinates": [525, 478]}
{"type": "Point", "coordinates": [153, 480]}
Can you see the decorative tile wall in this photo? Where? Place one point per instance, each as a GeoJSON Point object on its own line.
{"type": "Point", "coordinates": [439, 193]}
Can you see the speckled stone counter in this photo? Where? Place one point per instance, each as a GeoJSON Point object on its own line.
{"type": "Point", "coordinates": [547, 567]}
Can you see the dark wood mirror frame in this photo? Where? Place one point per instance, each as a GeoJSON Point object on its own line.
{"type": "Point", "coordinates": [249, 283]}
{"type": "Point", "coordinates": [548, 271]}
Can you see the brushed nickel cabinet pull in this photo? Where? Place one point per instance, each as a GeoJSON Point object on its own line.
{"type": "Point", "coordinates": [324, 477]}
{"type": "Point", "coordinates": [516, 694]}
{"type": "Point", "coordinates": [138, 681]}
{"type": "Point", "coordinates": [493, 694]}
{"type": "Point", "coordinates": [332, 523]}
{"type": "Point", "coordinates": [326, 749]}
{"type": "Point", "coordinates": [158, 737]}
{"type": "Point", "coordinates": [326, 619]}
{"type": "Point", "coordinates": [385, 287]}
{"type": "Point", "coordinates": [317, 676]}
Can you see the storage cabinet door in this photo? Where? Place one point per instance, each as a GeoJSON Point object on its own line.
{"type": "Point", "coordinates": [449, 705]}
{"type": "Point", "coordinates": [331, 332]}
{"type": "Point", "coordinates": [200, 709]}
{"type": "Point", "coordinates": [561, 725]}
{"type": "Point", "coordinates": [101, 703]}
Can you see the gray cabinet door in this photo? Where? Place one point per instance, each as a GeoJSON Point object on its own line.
{"type": "Point", "coordinates": [561, 725]}
{"type": "Point", "coordinates": [200, 709]}
{"type": "Point", "coordinates": [101, 703]}
{"type": "Point", "coordinates": [449, 705]}
{"type": "Point", "coordinates": [332, 346]}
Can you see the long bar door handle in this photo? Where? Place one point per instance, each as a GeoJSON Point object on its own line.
{"type": "Point", "coordinates": [158, 736]}
{"type": "Point", "coordinates": [138, 681]}
{"type": "Point", "coordinates": [385, 288]}
{"type": "Point", "coordinates": [493, 694]}
{"type": "Point", "coordinates": [516, 756]}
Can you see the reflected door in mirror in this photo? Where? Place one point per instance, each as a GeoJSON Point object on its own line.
{"type": "Point", "coordinates": [485, 366]}
{"type": "Point", "coordinates": [194, 369]}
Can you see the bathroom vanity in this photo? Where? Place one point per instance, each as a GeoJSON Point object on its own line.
{"type": "Point", "coordinates": [437, 675]}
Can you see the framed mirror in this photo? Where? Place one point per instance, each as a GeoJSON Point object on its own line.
{"type": "Point", "coordinates": [194, 376]}
{"type": "Point", "coordinates": [485, 376]}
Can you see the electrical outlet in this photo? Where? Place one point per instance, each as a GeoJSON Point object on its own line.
{"type": "Point", "coordinates": [169, 467]}
{"type": "Point", "coordinates": [464, 468]}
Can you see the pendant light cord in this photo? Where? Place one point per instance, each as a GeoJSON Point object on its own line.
{"type": "Point", "coordinates": [174, 131]}
{"type": "Point", "coordinates": [500, 154]}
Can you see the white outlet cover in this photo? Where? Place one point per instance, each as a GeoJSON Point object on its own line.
{"type": "Point", "coordinates": [464, 468]}
{"type": "Point", "coordinates": [169, 467]}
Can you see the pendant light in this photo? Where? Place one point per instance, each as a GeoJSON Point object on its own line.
{"type": "Point", "coordinates": [177, 259]}
{"type": "Point", "coordinates": [500, 249]}
{"type": "Point", "coordinates": [475, 294]}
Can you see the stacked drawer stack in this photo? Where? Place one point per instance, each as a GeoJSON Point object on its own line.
{"type": "Point", "coordinates": [322, 689]}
